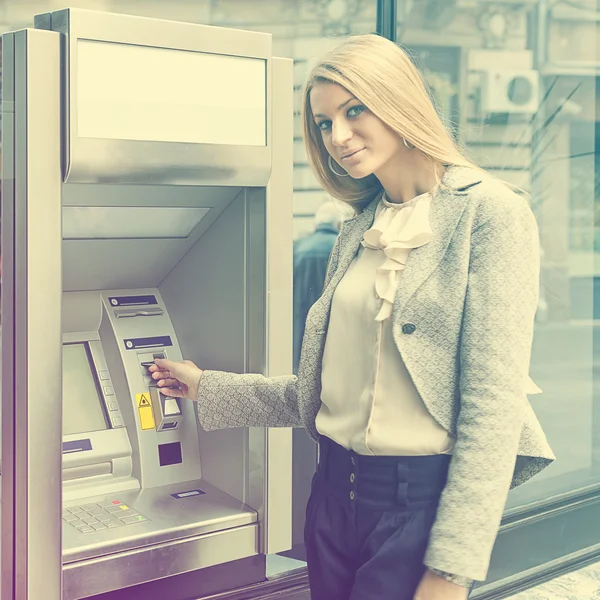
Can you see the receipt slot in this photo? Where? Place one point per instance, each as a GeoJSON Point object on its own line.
{"type": "Point", "coordinates": [142, 217]}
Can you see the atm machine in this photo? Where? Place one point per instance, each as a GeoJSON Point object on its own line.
{"type": "Point", "coordinates": [146, 212]}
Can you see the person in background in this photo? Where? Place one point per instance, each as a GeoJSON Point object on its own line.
{"type": "Point", "coordinates": [311, 255]}
{"type": "Point", "coordinates": [414, 369]}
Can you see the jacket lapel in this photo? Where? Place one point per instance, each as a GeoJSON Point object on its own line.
{"type": "Point", "coordinates": [350, 239]}
{"type": "Point", "coordinates": [447, 207]}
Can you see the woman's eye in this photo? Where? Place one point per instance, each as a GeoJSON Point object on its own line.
{"type": "Point", "coordinates": [323, 125]}
{"type": "Point", "coordinates": [354, 111]}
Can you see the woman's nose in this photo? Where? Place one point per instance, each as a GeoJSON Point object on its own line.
{"type": "Point", "coordinates": [340, 134]}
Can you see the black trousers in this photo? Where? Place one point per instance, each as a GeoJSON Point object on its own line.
{"type": "Point", "coordinates": [368, 520]}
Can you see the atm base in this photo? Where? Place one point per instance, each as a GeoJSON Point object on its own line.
{"type": "Point", "coordinates": [197, 584]}
{"type": "Point", "coordinates": [162, 566]}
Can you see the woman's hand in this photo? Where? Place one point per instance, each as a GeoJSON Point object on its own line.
{"type": "Point", "coordinates": [434, 587]}
{"type": "Point", "coordinates": [177, 379]}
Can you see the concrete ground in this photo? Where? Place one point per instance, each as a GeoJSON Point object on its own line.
{"type": "Point", "coordinates": [578, 585]}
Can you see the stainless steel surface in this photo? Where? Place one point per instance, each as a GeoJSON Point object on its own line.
{"type": "Point", "coordinates": [93, 264]}
{"type": "Point", "coordinates": [277, 530]}
{"type": "Point", "coordinates": [270, 456]}
{"type": "Point", "coordinates": [34, 571]}
{"type": "Point", "coordinates": [170, 519]}
{"type": "Point", "coordinates": [206, 301]}
{"type": "Point", "coordinates": [116, 571]}
{"type": "Point", "coordinates": [7, 312]}
{"type": "Point", "coordinates": [129, 161]}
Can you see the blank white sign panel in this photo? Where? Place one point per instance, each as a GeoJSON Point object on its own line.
{"type": "Point", "coordinates": [144, 93]}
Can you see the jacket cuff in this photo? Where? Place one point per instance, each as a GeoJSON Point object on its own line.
{"type": "Point", "coordinates": [453, 578]}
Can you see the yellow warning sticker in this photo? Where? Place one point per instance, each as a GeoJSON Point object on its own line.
{"type": "Point", "coordinates": [144, 404]}
{"type": "Point", "coordinates": [143, 400]}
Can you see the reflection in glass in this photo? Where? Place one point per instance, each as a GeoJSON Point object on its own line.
{"type": "Point", "coordinates": [524, 92]}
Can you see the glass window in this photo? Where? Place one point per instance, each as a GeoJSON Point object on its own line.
{"type": "Point", "coordinates": [518, 84]}
{"type": "Point", "coordinates": [515, 86]}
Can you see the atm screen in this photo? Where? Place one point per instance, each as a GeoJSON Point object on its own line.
{"type": "Point", "coordinates": [82, 405]}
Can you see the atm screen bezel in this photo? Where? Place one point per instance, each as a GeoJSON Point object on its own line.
{"type": "Point", "coordinates": [97, 359]}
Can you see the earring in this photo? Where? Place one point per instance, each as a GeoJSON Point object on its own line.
{"type": "Point", "coordinates": [331, 167]}
{"type": "Point", "coordinates": [408, 144]}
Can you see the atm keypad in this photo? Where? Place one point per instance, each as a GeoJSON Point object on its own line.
{"type": "Point", "coordinates": [104, 515]}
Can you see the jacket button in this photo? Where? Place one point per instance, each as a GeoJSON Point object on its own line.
{"type": "Point", "coordinates": [409, 328]}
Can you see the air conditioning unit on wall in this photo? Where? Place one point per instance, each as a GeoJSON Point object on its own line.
{"type": "Point", "coordinates": [510, 91]}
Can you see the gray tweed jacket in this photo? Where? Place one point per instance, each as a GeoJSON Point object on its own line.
{"type": "Point", "coordinates": [463, 322]}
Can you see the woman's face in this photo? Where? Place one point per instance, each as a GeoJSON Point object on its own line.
{"type": "Point", "coordinates": [357, 140]}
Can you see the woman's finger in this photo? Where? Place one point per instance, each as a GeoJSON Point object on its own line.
{"type": "Point", "coordinates": [162, 375]}
{"type": "Point", "coordinates": [174, 392]}
{"type": "Point", "coordinates": [169, 383]}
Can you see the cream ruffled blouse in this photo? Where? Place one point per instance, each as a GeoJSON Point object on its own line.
{"type": "Point", "coordinates": [397, 229]}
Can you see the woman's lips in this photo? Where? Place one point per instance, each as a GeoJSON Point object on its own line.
{"type": "Point", "coordinates": [352, 157]}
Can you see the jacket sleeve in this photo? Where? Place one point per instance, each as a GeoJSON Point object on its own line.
{"type": "Point", "coordinates": [496, 339]}
{"type": "Point", "coordinates": [247, 400]}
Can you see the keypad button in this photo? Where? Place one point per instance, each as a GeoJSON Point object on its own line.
{"type": "Point", "coordinates": [86, 529]}
{"type": "Point", "coordinates": [98, 526]}
{"type": "Point", "coordinates": [106, 503]}
{"type": "Point", "coordinates": [113, 406]}
{"type": "Point", "coordinates": [114, 508]}
{"type": "Point", "coordinates": [113, 524]}
{"type": "Point", "coordinates": [117, 421]}
{"type": "Point", "coordinates": [133, 519]}
{"type": "Point", "coordinates": [104, 518]}
{"type": "Point", "coordinates": [78, 523]}
{"type": "Point", "coordinates": [70, 518]}
{"type": "Point", "coordinates": [104, 375]}
{"type": "Point", "coordinates": [90, 520]}
{"type": "Point", "coordinates": [108, 390]}
{"type": "Point", "coordinates": [88, 507]}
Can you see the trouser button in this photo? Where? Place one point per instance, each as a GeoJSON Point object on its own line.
{"type": "Point", "coordinates": [352, 478]}
{"type": "Point", "coordinates": [352, 495]}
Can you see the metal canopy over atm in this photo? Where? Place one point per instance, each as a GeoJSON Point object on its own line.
{"type": "Point", "coordinates": [146, 211]}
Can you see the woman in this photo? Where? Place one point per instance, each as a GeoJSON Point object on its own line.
{"type": "Point", "coordinates": [414, 369]}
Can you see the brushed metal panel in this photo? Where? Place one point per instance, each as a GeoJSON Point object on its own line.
{"type": "Point", "coordinates": [123, 569]}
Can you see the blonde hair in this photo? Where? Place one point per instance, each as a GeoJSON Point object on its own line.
{"type": "Point", "coordinates": [382, 76]}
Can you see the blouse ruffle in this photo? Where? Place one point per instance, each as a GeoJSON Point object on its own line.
{"type": "Point", "coordinates": [396, 230]}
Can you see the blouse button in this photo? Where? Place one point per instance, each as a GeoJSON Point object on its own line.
{"type": "Point", "coordinates": [409, 328]}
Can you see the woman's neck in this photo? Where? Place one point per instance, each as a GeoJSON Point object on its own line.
{"type": "Point", "coordinates": [410, 178]}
